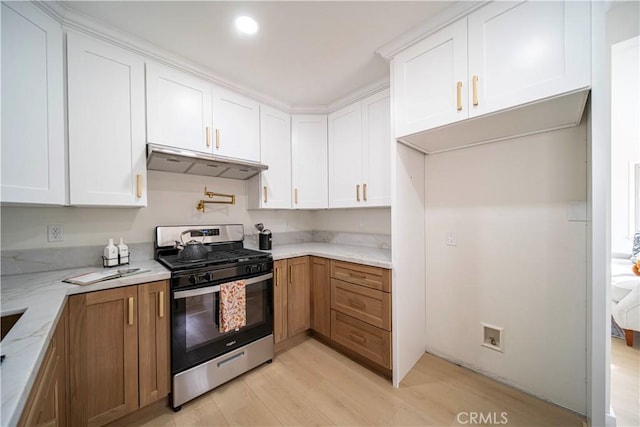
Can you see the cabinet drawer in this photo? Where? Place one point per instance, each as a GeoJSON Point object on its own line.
{"type": "Point", "coordinates": [366, 340]}
{"type": "Point", "coordinates": [371, 277]}
{"type": "Point", "coordinates": [369, 305]}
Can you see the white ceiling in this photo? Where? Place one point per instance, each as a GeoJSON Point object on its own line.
{"type": "Point", "coordinates": [306, 53]}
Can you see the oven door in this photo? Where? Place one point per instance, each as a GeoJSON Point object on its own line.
{"type": "Point", "coordinates": [195, 318]}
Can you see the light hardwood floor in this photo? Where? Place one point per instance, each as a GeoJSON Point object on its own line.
{"type": "Point", "coordinates": [313, 385]}
{"type": "Point", "coordinates": [625, 382]}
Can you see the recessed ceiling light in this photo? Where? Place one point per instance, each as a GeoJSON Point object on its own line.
{"type": "Point", "coordinates": [246, 24]}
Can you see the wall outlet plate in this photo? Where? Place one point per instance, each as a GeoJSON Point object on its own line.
{"type": "Point", "coordinates": [55, 233]}
{"type": "Point", "coordinates": [451, 239]}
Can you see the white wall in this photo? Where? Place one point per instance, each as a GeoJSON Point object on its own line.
{"type": "Point", "coordinates": [625, 143]}
{"type": "Point", "coordinates": [519, 263]}
{"type": "Point", "coordinates": [172, 200]}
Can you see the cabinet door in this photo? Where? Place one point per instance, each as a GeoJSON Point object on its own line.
{"type": "Point", "coordinates": [429, 81]}
{"type": "Point", "coordinates": [236, 121]}
{"type": "Point", "coordinates": [345, 157]}
{"type": "Point", "coordinates": [178, 109]}
{"type": "Point", "coordinates": [275, 147]}
{"type": "Point", "coordinates": [525, 51]}
{"type": "Point", "coordinates": [103, 356]}
{"type": "Point", "coordinates": [153, 341]}
{"type": "Point", "coordinates": [47, 402]}
{"type": "Point", "coordinates": [320, 296]}
{"type": "Point", "coordinates": [376, 150]}
{"type": "Point", "coordinates": [280, 273]}
{"type": "Point", "coordinates": [309, 161]}
{"type": "Point", "coordinates": [32, 146]}
{"type": "Point", "coordinates": [107, 151]}
{"type": "Point", "coordinates": [298, 296]}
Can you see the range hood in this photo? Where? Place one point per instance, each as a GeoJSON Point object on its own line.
{"type": "Point", "coordinates": [178, 160]}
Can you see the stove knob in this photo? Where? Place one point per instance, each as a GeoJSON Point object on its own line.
{"type": "Point", "coordinates": [193, 279]}
{"type": "Point", "coordinates": [207, 277]}
{"type": "Point", "coordinates": [248, 269]}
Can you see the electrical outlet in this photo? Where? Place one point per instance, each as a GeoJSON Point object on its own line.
{"type": "Point", "coordinates": [55, 233]}
{"type": "Point", "coordinates": [451, 239]}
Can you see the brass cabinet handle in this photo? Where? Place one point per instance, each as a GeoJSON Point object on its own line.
{"type": "Point", "coordinates": [290, 270]}
{"type": "Point", "coordinates": [358, 192]}
{"type": "Point", "coordinates": [130, 311]}
{"type": "Point", "coordinates": [357, 338]}
{"type": "Point", "coordinates": [161, 304]}
{"type": "Point", "coordinates": [217, 138]}
{"type": "Point", "coordinates": [356, 304]}
{"type": "Point", "coordinates": [277, 272]}
{"type": "Point", "coordinates": [264, 190]}
{"type": "Point", "coordinates": [475, 90]}
{"type": "Point", "coordinates": [364, 192]}
{"type": "Point", "coordinates": [295, 196]}
{"type": "Point", "coordinates": [459, 95]}
{"type": "Point", "coordinates": [139, 186]}
{"type": "Point", "coordinates": [208, 132]}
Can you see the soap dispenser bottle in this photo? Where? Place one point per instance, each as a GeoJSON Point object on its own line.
{"type": "Point", "coordinates": [123, 252]}
{"type": "Point", "coordinates": [110, 254]}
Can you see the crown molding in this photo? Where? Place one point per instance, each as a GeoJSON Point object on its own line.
{"type": "Point", "coordinates": [72, 20]}
{"type": "Point", "coordinates": [457, 10]}
{"type": "Point", "coordinates": [76, 21]}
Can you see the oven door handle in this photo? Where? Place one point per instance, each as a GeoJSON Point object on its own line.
{"type": "Point", "coordinates": [214, 289]}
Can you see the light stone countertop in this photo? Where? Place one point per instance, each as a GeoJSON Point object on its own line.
{"type": "Point", "coordinates": [41, 297]}
{"type": "Point", "coordinates": [358, 254]}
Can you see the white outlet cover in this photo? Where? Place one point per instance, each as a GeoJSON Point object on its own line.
{"type": "Point", "coordinates": [451, 238]}
{"type": "Point", "coordinates": [55, 233]}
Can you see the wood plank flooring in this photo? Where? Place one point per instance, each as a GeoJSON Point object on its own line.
{"type": "Point", "coordinates": [625, 382]}
{"type": "Point", "coordinates": [312, 384]}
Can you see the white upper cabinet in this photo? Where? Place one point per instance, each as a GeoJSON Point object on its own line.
{"type": "Point", "coordinates": [309, 161]}
{"type": "Point", "coordinates": [376, 149]}
{"type": "Point", "coordinates": [271, 189]}
{"type": "Point", "coordinates": [524, 51]}
{"type": "Point", "coordinates": [33, 147]}
{"type": "Point", "coordinates": [107, 152]}
{"type": "Point", "coordinates": [359, 153]}
{"type": "Point", "coordinates": [236, 120]}
{"type": "Point", "coordinates": [178, 109]}
{"type": "Point", "coordinates": [345, 156]}
{"type": "Point", "coordinates": [429, 81]}
{"type": "Point", "coordinates": [517, 53]}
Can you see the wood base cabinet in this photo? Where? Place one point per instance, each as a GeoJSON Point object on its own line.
{"type": "Point", "coordinates": [320, 296]}
{"type": "Point", "coordinates": [361, 311]}
{"type": "Point", "coordinates": [291, 297]}
{"type": "Point", "coordinates": [47, 403]}
{"type": "Point", "coordinates": [118, 351]}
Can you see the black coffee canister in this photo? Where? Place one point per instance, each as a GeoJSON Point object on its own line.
{"type": "Point", "coordinates": [265, 240]}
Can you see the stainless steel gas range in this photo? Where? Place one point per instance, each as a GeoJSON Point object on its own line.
{"type": "Point", "coordinates": [203, 357]}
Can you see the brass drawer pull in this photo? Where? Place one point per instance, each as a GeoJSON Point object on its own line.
{"type": "Point", "coordinates": [475, 90]}
{"type": "Point", "coordinates": [208, 132]}
{"type": "Point", "coordinates": [161, 304]}
{"type": "Point", "coordinates": [357, 338]}
{"type": "Point", "coordinates": [130, 311]}
{"type": "Point", "coordinates": [459, 96]}
{"type": "Point", "coordinates": [364, 192]}
{"type": "Point", "coordinates": [357, 304]}
{"type": "Point", "coordinates": [295, 196]}
{"type": "Point", "coordinates": [264, 190]}
{"type": "Point", "coordinates": [139, 186]}
{"type": "Point", "coordinates": [218, 138]}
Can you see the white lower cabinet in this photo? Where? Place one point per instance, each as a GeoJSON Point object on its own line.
{"type": "Point", "coordinates": [359, 153]}
{"type": "Point", "coordinates": [271, 189]}
{"type": "Point", "coordinates": [32, 147]}
{"type": "Point", "coordinates": [309, 161]}
{"type": "Point", "coordinates": [107, 151]}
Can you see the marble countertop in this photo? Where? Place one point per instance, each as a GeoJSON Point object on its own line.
{"type": "Point", "coordinates": [41, 296]}
{"type": "Point", "coordinates": [358, 254]}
